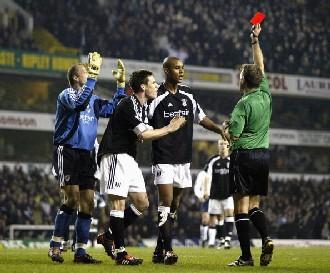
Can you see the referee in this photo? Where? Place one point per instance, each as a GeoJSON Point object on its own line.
{"type": "Point", "coordinates": [249, 161]}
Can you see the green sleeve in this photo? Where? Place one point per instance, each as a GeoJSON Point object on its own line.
{"type": "Point", "coordinates": [237, 120]}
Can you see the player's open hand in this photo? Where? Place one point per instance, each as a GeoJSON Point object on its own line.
{"type": "Point", "coordinates": [176, 123]}
{"type": "Point", "coordinates": [119, 74]}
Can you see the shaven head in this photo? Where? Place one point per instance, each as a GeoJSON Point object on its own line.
{"type": "Point", "coordinates": [169, 62]}
{"type": "Point", "coordinates": [173, 69]}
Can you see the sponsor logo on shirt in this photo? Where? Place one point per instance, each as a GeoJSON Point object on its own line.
{"type": "Point", "coordinates": [86, 119]}
{"type": "Point", "coordinates": [86, 116]}
{"type": "Point", "coordinates": [179, 113]}
{"type": "Point", "coordinates": [221, 171]}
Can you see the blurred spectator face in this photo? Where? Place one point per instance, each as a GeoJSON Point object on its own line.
{"type": "Point", "coordinates": [174, 70]}
{"type": "Point", "coordinates": [223, 146]}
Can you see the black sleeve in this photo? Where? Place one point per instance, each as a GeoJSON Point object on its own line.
{"type": "Point", "coordinates": [130, 114]}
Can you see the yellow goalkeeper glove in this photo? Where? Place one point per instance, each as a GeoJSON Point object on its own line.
{"type": "Point", "coordinates": [94, 65]}
{"type": "Point", "coordinates": [119, 74]}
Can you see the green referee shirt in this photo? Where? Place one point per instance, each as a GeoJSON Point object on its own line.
{"type": "Point", "coordinates": [251, 117]}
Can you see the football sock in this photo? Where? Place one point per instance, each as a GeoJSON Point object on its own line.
{"type": "Point", "coordinates": [212, 233]}
{"type": "Point", "coordinates": [204, 231]}
{"type": "Point", "coordinates": [242, 223]}
{"type": "Point", "coordinates": [229, 226]}
{"type": "Point", "coordinates": [220, 229]}
{"type": "Point", "coordinates": [117, 227]}
{"type": "Point", "coordinates": [164, 225]}
{"type": "Point", "coordinates": [62, 221]}
{"type": "Point", "coordinates": [72, 220]}
{"type": "Point", "coordinates": [83, 224]}
{"type": "Point", "coordinates": [258, 219]}
{"type": "Point", "coordinates": [130, 215]}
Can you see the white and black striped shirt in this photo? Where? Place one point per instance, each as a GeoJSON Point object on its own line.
{"type": "Point", "coordinates": [128, 120]}
{"type": "Point", "coordinates": [175, 148]}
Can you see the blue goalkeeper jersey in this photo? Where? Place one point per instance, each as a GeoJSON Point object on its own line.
{"type": "Point", "coordinates": [77, 114]}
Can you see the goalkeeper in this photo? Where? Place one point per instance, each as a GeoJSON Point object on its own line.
{"type": "Point", "coordinates": [77, 114]}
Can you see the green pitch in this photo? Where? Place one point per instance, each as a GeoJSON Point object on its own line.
{"type": "Point", "coordinates": [300, 260]}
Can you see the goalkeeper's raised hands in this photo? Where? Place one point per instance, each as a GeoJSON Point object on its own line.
{"type": "Point", "coordinates": [94, 64]}
{"type": "Point", "coordinates": [119, 74]}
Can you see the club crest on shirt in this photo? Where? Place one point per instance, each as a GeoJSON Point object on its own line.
{"type": "Point", "coordinates": [117, 184]}
{"type": "Point", "coordinates": [156, 170]}
{"type": "Point", "coordinates": [184, 102]}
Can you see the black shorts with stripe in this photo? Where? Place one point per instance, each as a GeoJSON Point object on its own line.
{"type": "Point", "coordinates": [74, 167]}
{"type": "Point", "coordinates": [249, 172]}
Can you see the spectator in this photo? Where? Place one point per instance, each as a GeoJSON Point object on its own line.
{"type": "Point", "coordinates": [203, 30]}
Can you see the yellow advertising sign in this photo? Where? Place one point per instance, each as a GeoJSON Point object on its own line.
{"type": "Point", "coordinates": [35, 62]}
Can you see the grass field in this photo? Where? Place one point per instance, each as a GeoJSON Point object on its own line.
{"type": "Point", "coordinates": [299, 260]}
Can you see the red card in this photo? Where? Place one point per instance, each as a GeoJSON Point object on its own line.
{"type": "Point", "coordinates": [257, 18]}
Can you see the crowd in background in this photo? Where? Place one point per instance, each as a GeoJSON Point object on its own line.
{"type": "Point", "coordinates": [296, 208]}
{"type": "Point", "coordinates": [14, 31]}
{"type": "Point", "coordinates": [300, 159]}
{"type": "Point", "coordinates": [30, 198]}
{"type": "Point", "coordinates": [299, 209]}
{"type": "Point", "coordinates": [205, 33]}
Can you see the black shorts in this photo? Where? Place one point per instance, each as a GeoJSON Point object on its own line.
{"type": "Point", "coordinates": [249, 171]}
{"type": "Point", "coordinates": [74, 167]}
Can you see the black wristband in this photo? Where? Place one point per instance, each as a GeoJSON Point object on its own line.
{"type": "Point", "coordinates": [255, 42]}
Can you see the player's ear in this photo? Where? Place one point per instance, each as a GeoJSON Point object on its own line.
{"type": "Point", "coordinates": [143, 87]}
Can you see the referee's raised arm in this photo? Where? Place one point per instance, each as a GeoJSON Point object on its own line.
{"type": "Point", "coordinates": [258, 57]}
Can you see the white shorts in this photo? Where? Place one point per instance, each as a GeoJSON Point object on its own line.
{"type": "Point", "coordinates": [218, 207]}
{"type": "Point", "coordinates": [176, 174]}
{"type": "Point", "coordinates": [120, 174]}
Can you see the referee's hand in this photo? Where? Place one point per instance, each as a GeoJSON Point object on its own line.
{"type": "Point", "coordinates": [255, 31]}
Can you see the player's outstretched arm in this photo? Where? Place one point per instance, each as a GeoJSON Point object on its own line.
{"type": "Point", "coordinates": [175, 124]}
{"type": "Point", "coordinates": [210, 125]}
{"type": "Point", "coordinates": [258, 58]}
